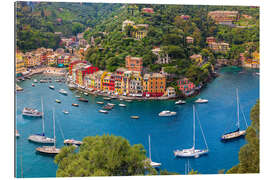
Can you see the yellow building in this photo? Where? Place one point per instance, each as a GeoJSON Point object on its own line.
{"type": "Point", "coordinates": [20, 66]}
{"type": "Point", "coordinates": [154, 84]}
{"type": "Point", "coordinates": [52, 60]}
{"type": "Point", "coordinates": [32, 60]}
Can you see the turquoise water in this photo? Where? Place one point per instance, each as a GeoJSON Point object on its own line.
{"type": "Point", "coordinates": [167, 133]}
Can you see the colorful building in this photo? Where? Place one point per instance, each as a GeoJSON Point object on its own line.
{"type": "Point", "coordinates": [148, 10]}
{"type": "Point", "coordinates": [224, 17]}
{"type": "Point", "coordinates": [219, 47]}
{"type": "Point", "coordinates": [20, 66]}
{"type": "Point", "coordinates": [134, 63]}
{"type": "Point", "coordinates": [186, 86]}
{"type": "Point", "coordinates": [127, 23]}
{"type": "Point", "coordinates": [189, 39]}
{"type": "Point", "coordinates": [185, 17]}
{"type": "Point", "coordinates": [108, 82]}
{"type": "Point", "coordinates": [32, 60]}
{"type": "Point", "coordinates": [170, 92]}
{"type": "Point", "coordinates": [119, 73]}
{"type": "Point", "coordinates": [140, 31]}
{"type": "Point", "coordinates": [210, 40]}
{"type": "Point", "coordinates": [135, 84]}
{"type": "Point", "coordinates": [51, 60]}
{"type": "Point", "coordinates": [154, 85]}
{"type": "Point", "coordinates": [197, 58]}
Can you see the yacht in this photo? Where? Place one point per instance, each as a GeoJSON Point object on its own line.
{"type": "Point", "coordinates": [167, 113]}
{"type": "Point", "coordinates": [72, 142]}
{"type": "Point", "coordinates": [180, 102]}
{"type": "Point", "coordinates": [51, 87]}
{"type": "Point", "coordinates": [31, 112]}
{"type": "Point", "coordinates": [122, 105]}
{"type": "Point", "coordinates": [62, 91]}
{"type": "Point", "coordinates": [200, 100]}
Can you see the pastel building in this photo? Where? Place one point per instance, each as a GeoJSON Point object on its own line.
{"type": "Point", "coordinates": [20, 66]}
{"type": "Point", "coordinates": [197, 58]}
{"type": "Point", "coordinates": [108, 82]}
{"type": "Point", "coordinates": [186, 86]}
{"type": "Point", "coordinates": [127, 23]}
{"type": "Point", "coordinates": [189, 39]}
{"type": "Point", "coordinates": [148, 10]}
{"type": "Point", "coordinates": [134, 63]}
{"type": "Point", "coordinates": [51, 60]}
{"type": "Point", "coordinates": [135, 83]}
{"type": "Point", "coordinates": [154, 84]}
{"type": "Point", "coordinates": [219, 47]}
{"type": "Point", "coordinates": [119, 73]}
{"type": "Point", "coordinates": [224, 17]}
{"type": "Point", "coordinates": [141, 31]}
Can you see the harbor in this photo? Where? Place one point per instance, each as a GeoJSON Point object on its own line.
{"type": "Point", "coordinates": [217, 116]}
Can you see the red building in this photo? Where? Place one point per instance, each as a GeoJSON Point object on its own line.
{"type": "Point", "coordinates": [108, 82]}
{"type": "Point", "coordinates": [74, 63]}
{"type": "Point", "coordinates": [186, 86]}
{"type": "Point", "coordinates": [148, 10]}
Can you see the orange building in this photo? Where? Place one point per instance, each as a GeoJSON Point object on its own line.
{"type": "Point", "coordinates": [134, 63]}
{"type": "Point", "coordinates": [154, 84]}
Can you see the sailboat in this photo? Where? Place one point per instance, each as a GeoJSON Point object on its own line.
{"type": "Point", "coordinates": [192, 152]}
{"type": "Point", "coordinates": [50, 149]}
{"type": "Point", "coordinates": [237, 133]}
{"type": "Point", "coordinates": [153, 164]}
{"type": "Point", "coordinates": [41, 138]}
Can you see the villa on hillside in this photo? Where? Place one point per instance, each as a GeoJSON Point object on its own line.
{"type": "Point", "coordinates": [224, 17]}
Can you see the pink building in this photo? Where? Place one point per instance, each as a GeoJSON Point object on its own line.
{"type": "Point", "coordinates": [186, 86]}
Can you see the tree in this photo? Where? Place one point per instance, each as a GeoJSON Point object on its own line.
{"type": "Point", "coordinates": [106, 155]}
{"type": "Point", "coordinates": [249, 161]}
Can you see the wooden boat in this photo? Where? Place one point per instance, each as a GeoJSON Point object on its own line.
{"type": "Point", "coordinates": [237, 133]}
{"type": "Point", "coordinates": [100, 102]}
{"type": "Point", "coordinates": [50, 149]}
{"type": "Point", "coordinates": [83, 99]}
{"type": "Point", "coordinates": [103, 111]}
{"type": "Point", "coordinates": [72, 142]}
{"type": "Point", "coordinates": [122, 105]}
{"type": "Point", "coordinates": [108, 107]}
{"type": "Point", "coordinates": [57, 100]}
{"type": "Point", "coordinates": [134, 117]}
{"type": "Point", "coordinates": [76, 105]}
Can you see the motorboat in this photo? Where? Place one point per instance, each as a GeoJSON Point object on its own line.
{"type": "Point", "coordinates": [167, 113]}
{"type": "Point", "coordinates": [33, 85]}
{"type": "Point", "coordinates": [51, 87]}
{"type": "Point", "coordinates": [65, 112]}
{"type": "Point", "coordinates": [107, 98]}
{"type": "Point", "coordinates": [72, 142]}
{"type": "Point", "coordinates": [103, 111]}
{"type": "Point", "coordinates": [31, 112]}
{"type": "Point", "coordinates": [180, 102]}
{"type": "Point", "coordinates": [76, 105]}
{"type": "Point", "coordinates": [100, 102]}
{"type": "Point", "coordinates": [57, 100]}
{"type": "Point", "coordinates": [134, 117]}
{"type": "Point", "coordinates": [83, 99]}
{"type": "Point", "coordinates": [200, 100]}
{"type": "Point", "coordinates": [110, 104]}
{"type": "Point", "coordinates": [122, 105]}
{"type": "Point", "coordinates": [85, 93]}
{"type": "Point", "coordinates": [62, 91]}
{"type": "Point", "coordinates": [35, 81]}
{"type": "Point", "coordinates": [108, 107]}
{"type": "Point", "coordinates": [43, 81]}
{"type": "Point", "coordinates": [128, 100]}
{"type": "Point", "coordinates": [17, 133]}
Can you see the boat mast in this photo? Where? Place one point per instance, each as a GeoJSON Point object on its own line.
{"type": "Point", "coordinates": [42, 116]}
{"type": "Point", "coordinates": [193, 126]}
{"type": "Point", "coordinates": [54, 128]}
{"type": "Point", "coordinates": [149, 148]}
{"type": "Point", "coordinates": [237, 99]}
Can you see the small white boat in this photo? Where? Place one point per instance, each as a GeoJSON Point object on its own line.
{"type": "Point", "coordinates": [100, 102]}
{"type": "Point", "coordinates": [65, 112]}
{"type": "Point", "coordinates": [17, 133]}
{"type": "Point", "coordinates": [257, 73]}
{"type": "Point", "coordinates": [180, 102]}
{"type": "Point", "coordinates": [33, 85]}
{"type": "Point", "coordinates": [31, 112]}
{"type": "Point", "coordinates": [122, 105]}
{"type": "Point", "coordinates": [51, 87]}
{"type": "Point", "coordinates": [200, 100]}
{"type": "Point", "coordinates": [167, 113]}
{"type": "Point", "coordinates": [107, 98]}
{"type": "Point", "coordinates": [76, 105]}
{"type": "Point", "coordinates": [103, 111]}
{"type": "Point", "coordinates": [72, 142]}
{"type": "Point", "coordinates": [35, 81]}
{"type": "Point", "coordinates": [57, 100]}
{"type": "Point", "coordinates": [62, 91]}
{"type": "Point", "coordinates": [121, 99]}
{"type": "Point", "coordinates": [77, 96]}
{"type": "Point", "coordinates": [110, 104]}
{"type": "Point", "coordinates": [128, 100]}
{"type": "Point", "coordinates": [85, 93]}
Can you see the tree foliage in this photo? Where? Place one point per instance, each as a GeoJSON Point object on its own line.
{"type": "Point", "coordinates": [106, 155]}
{"type": "Point", "coordinates": [249, 161]}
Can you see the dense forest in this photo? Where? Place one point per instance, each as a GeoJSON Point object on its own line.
{"type": "Point", "coordinates": [37, 22]}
